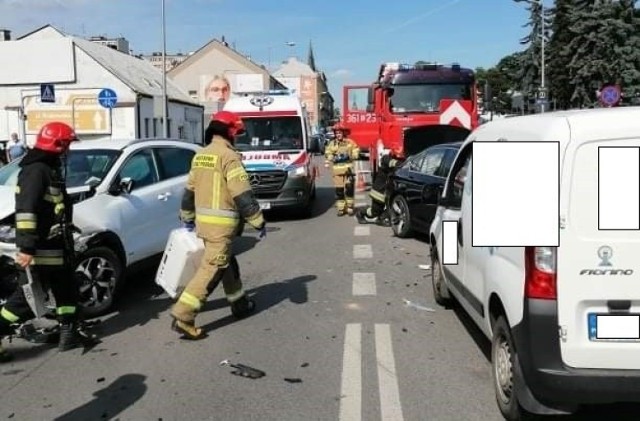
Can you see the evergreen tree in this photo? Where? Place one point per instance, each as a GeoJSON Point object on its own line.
{"type": "Point", "coordinates": [560, 56]}
{"type": "Point", "coordinates": [531, 59]}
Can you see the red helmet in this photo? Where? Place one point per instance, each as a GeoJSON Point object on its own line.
{"type": "Point", "coordinates": [232, 120]}
{"type": "Point", "coordinates": [55, 137]}
{"type": "Point", "coordinates": [339, 127]}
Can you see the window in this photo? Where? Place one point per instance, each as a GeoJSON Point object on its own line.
{"type": "Point", "coordinates": [432, 161]}
{"type": "Point", "coordinates": [447, 161]}
{"type": "Point", "coordinates": [271, 133]}
{"type": "Point", "coordinates": [155, 127]}
{"type": "Point", "coordinates": [174, 162]}
{"type": "Point", "coordinates": [426, 97]}
{"type": "Point", "coordinates": [459, 178]}
{"type": "Point", "coordinates": [146, 127]}
{"type": "Point", "coordinates": [141, 169]}
{"type": "Point", "coordinates": [169, 127]}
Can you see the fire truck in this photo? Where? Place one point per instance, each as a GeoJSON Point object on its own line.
{"type": "Point", "coordinates": [411, 107]}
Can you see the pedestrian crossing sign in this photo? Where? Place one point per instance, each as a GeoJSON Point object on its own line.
{"type": "Point", "coordinates": [47, 93]}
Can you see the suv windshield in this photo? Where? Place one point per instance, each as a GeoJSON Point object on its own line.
{"type": "Point", "coordinates": [426, 98]}
{"type": "Point", "coordinates": [272, 133]}
{"type": "Point", "coordinates": [85, 167]}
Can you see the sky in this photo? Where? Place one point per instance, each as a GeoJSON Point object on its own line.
{"type": "Point", "coordinates": [350, 38]}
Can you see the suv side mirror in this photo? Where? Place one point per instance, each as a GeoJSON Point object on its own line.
{"type": "Point", "coordinates": [124, 186]}
{"type": "Point", "coordinates": [431, 194]}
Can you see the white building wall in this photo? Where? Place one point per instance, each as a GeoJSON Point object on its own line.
{"type": "Point", "coordinates": [185, 122]}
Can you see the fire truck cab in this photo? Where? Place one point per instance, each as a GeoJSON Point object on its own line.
{"type": "Point", "coordinates": [411, 107]}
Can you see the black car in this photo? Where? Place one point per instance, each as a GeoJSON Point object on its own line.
{"type": "Point", "coordinates": [406, 188]}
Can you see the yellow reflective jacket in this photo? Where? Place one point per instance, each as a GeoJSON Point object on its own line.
{"type": "Point", "coordinates": [218, 194]}
{"type": "Point", "coordinates": [346, 147]}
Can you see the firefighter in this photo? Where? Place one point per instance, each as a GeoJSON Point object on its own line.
{"type": "Point", "coordinates": [216, 200]}
{"type": "Point", "coordinates": [43, 211]}
{"type": "Point", "coordinates": [340, 154]}
{"type": "Point", "coordinates": [376, 213]}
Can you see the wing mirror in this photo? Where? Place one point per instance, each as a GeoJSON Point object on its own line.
{"type": "Point", "coordinates": [124, 186]}
{"type": "Point", "coordinates": [431, 194]}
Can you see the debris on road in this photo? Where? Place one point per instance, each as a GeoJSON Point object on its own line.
{"type": "Point", "coordinates": [291, 380]}
{"type": "Point", "coordinates": [417, 306]}
{"type": "Point", "coordinates": [404, 329]}
{"type": "Point", "coordinates": [100, 380]}
{"type": "Point", "coordinates": [244, 370]}
{"type": "Point", "coordinates": [304, 365]}
{"type": "Point", "coordinates": [424, 267]}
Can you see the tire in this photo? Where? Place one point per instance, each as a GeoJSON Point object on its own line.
{"type": "Point", "coordinates": [503, 356]}
{"type": "Point", "coordinates": [440, 290]}
{"type": "Point", "coordinates": [400, 217]}
{"type": "Point", "coordinates": [98, 286]}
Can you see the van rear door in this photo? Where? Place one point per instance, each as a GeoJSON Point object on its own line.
{"type": "Point", "coordinates": [598, 271]}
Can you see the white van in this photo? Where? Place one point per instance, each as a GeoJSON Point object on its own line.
{"type": "Point", "coordinates": [546, 309]}
{"type": "Point", "coordinates": [276, 149]}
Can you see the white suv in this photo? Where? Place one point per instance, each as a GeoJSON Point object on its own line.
{"type": "Point", "coordinates": [564, 320]}
{"type": "Point", "coordinates": [127, 195]}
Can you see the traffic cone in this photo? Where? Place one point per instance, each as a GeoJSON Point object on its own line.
{"type": "Point", "coordinates": [361, 185]}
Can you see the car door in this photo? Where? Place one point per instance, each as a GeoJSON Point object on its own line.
{"type": "Point", "coordinates": [141, 210]}
{"type": "Point", "coordinates": [428, 174]}
{"type": "Point", "coordinates": [408, 180]}
{"type": "Point", "coordinates": [457, 207]}
{"type": "Point", "coordinates": [174, 164]}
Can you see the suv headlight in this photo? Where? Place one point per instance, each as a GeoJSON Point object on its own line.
{"type": "Point", "coordinates": [298, 171]}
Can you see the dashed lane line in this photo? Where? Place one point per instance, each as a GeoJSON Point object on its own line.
{"type": "Point", "coordinates": [364, 283]}
{"type": "Point", "coordinates": [362, 251]}
{"type": "Point", "coordinates": [351, 389]}
{"type": "Point", "coordinates": [360, 231]}
{"type": "Point", "coordinates": [390, 406]}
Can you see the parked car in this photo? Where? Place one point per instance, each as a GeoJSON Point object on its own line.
{"type": "Point", "coordinates": [563, 321]}
{"type": "Point", "coordinates": [127, 197]}
{"type": "Point", "coordinates": [408, 210]}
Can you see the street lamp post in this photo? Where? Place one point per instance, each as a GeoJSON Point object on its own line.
{"type": "Point", "coordinates": [165, 105]}
{"type": "Point", "coordinates": [542, 60]}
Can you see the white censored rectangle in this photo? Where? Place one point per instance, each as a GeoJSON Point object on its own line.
{"type": "Point", "coordinates": [618, 327]}
{"type": "Point", "coordinates": [618, 188]}
{"type": "Point", "coordinates": [364, 284]}
{"type": "Point", "coordinates": [362, 251]}
{"type": "Point", "coordinates": [351, 389]}
{"type": "Point", "coordinates": [362, 231]}
{"type": "Point", "coordinates": [390, 404]}
{"type": "Point", "coordinates": [515, 196]}
{"type": "Point", "coordinates": [450, 242]}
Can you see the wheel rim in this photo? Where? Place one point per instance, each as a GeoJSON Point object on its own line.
{"type": "Point", "coordinates": [400, 215]}
{"type": "Point", "coordinates": [503, 370]}
{"type": "Point", "coordinates": [97, 278]}
{"type": "Point", "coordinates": [436, 276]}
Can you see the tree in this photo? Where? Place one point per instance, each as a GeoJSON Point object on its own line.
{"type": "Point", "coordinates": [531, 63]}
{"type": "Point", "coordinates": [560, 89]}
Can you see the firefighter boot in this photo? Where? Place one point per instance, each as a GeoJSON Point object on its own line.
{"type": "Point", "coordinates": [189, 331]}
{"type": "Point", "coordinates": [243, 307]}
{"type": "Point", "coordinates": [73, 336]}
{"type": "Point", "coordinates": [5, 330]}
{"type": "Point", "coordinates": [363, 218]}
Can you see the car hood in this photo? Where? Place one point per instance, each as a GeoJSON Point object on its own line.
{"type": "Point", "coordinates": [7, 201]}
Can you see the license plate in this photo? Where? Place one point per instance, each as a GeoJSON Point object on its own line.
{"type": "Point", "coordinates": [608, 327]}
{"type": "Point", "coordinates": [265, 205]}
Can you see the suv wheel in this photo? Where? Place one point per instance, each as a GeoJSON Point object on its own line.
{"type": "Point", "coordinates": [440, 290]}
{"type": "Point", "coordinates": [503, 357]}
{"type": "Point", "coordinates": [98, 272]}
{"type": "Point", "coordinates": [400, 217]}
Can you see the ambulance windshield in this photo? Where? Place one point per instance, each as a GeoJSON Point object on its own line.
{"type": "Point", "coordinates": [425, 98]}
{"type": "Point", "coordinates": [271, 133]}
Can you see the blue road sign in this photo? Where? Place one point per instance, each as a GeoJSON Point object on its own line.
{"type": "Point", "coordinates": [610, 95]}
{"type": "Point", "coordinates": [107, 98]}
{"type": "Point", "coordinates": [47, 93]}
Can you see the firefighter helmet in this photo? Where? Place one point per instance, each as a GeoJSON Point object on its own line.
{"type": "Point", "coordinates": [231, 120]}
{"type": "Point", "coordinates": [339, 127]}
{"type": "Point", "coordinates": [55, 137]}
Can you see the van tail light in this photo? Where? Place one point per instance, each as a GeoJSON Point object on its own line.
{"type": "Point", "coordinates": [541, 277]}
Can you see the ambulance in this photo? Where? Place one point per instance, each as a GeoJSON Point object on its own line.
{"type": "Point", "coordinates": [276, 149]}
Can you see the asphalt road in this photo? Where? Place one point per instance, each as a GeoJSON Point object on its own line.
{"type": "Point", "coordinates": [333, 333]}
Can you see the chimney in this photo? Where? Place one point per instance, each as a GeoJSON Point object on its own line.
{"type": "Point", "coordinates": [5, 35]}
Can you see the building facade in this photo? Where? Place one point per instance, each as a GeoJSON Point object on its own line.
{"type": "Point", "coordinates": [216, 72]}
{"type": "Point", "coordinates": [172, 60]}
{"type": "Point", "coordinates": [83, 68]}
{"type": "Point", "coordinates": [119, 44]}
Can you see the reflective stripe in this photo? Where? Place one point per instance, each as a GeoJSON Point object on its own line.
{"type": "Point", "coordinates": [25, 216]}
{"type": "Point", "coordinates": [53, 199]}
{"type": "Point", "coordinates": [235, 296]}
{"type": "Point", "coordinates": [217, 220]}
{"type": "Point", "coordinates": [393, 163]}
{"type": "Point", "coordinates": [375, 195]}
{"type": "Point", "coordinates": [237, 173]}
{"type": "Point", "coordinates": [217, 186]}
{"type": "Point", "coordinates": [256, 220]}
{"type": "Point", "coordinates": [58, 209]}
{"type": "Point", "coordinates": [26, 225]}
{"type": "Point", "coordinates": [50, 253]}
{"type": "Point", "coordinates": [17, 189]}
{"type": "Point", "coordinates": [8, 316]}
{"type": "Point", "coordinates": [48, 261]}
{"type": "Point", "coordinates": [61, 311]}
{"type": "Point", "coordinates": [54, 191]}
{"type": "Point", "coordinates": [205, 161]}
{"type": "Point", "coordinates": [187, 215]}
{"type": "Point", "coordinates": [217, 212]}
{"type": "Point", "coordinates": [190, 301]}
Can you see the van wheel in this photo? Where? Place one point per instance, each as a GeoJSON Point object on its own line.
{"type": "Point", "coordinates": [440, 291]}
{"type": "Point", "coordinates": [400, 217]}
{"type": "Point", "coordinates": [503, 355]}
{"type": "Point", "coordinates": [99, 273]}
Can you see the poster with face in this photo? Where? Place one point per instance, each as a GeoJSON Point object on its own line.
{"type": "Point", "coordinates": [214, 88]}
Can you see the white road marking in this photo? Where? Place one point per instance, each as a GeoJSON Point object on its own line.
{"type": "Point", "coordinates": [351, 390]}
{"type": "Point", "coordinates": [362, 231]}
{"type": "Point", "coordinates": [390, 406]}
{"type": "Point", "coordinates": [361, 204]}
{"type": "Point", "coordinates": [362, 251]}
{"type": "Point", "coordinates": [364, 283]}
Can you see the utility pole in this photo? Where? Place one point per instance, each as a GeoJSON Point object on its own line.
{"type": "Point", "coordinates": [165, 105]}
{"type": "Point", "coordinates": [542, 61]}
